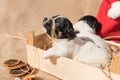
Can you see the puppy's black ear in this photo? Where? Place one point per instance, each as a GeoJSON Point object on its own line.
{"type": "Point", "coordinates": [45, 19]}
{"type": "Point", "coordinates": [47, 24]}
{"type": "Point", "coordinates": [71, 34]}
{"type": "Point", "coordinates": [91, 21]}
{"type": "Point", "coordinates": [99, 27]}
{"type": "Point", "coordinates": [69, 29]}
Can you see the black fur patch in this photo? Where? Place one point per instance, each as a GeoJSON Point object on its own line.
{"type": "Point", "coordinates": [47, 24]}
{"type": "Point", "coordinates": [91, 21]}
{"type": "Point", "coordinates": [62, 25]}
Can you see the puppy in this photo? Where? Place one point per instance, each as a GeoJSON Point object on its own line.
{"type": "Point", "coordinates": [81, 47]}
{"type": "Point", "coordinates": [96, 50]}
{"type": "Point", "coordinates": [63, 33]}
{"type": "Point", "coordinates": [63, 28]}
{"type": "Point", "coordinates": [86, 27]}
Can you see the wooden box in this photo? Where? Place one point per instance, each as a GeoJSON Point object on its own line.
{"type": "Point", "coordinates": [67, 69]}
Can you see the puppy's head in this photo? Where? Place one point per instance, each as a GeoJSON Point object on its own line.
{"type": "Point", "coordinates": [91, 21]}
{"type": "Point", "coordinates": [62, 28]}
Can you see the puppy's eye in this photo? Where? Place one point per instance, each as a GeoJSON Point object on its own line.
{"type": "Point", "coordinates": [76, 32]}
{"type": "Point", "coordinates": [56, 31]}
{"type": "Point", "coordinates": [47, 25]}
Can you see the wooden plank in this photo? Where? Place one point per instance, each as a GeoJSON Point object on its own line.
{"type": "Point", "coordinates": [113, 64]}
{"type": "Point", "coordinates": [45, 76]}
{"type": "Point", "coordinates": [65, 68]}
{"type": "Point", "coordinates": [30, 38]}
{"type": "Point", "coordinates": [114, 43]}
{"type": "Point", "coordinates": [118, 65]}
{"type": "Point", "coordinates": [33, 59]}
{"type": "Point", "coordinates": [40, 75]}
{"type": "Point", "coordinates": [32, 56]}
{"type": "Point", "coordinates": [68, 69]}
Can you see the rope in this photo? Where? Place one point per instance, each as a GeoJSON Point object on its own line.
{"type": "Point", "coordinates": [53, 31]}
{"type": "Point", "coordinates": [108, 65]}
{"type": "Point", "coordinates": [111, 37]}
{"type": "Point", "coordinates": [14, 37]}
{"type": "Point", "coordinates": [107, 74]}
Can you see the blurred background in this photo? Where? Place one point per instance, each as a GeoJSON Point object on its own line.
{"type": "Point", "coordinates": [17, 17]}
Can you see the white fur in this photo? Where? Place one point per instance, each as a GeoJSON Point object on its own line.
{"type": "Point", "coordinates": [86, 31]}
{"type": "Point", "coordinates": [81, 50]}
{"type": "Point", "coordinates": [114, 11]}
{"type": "Point", "coordinates": [94, 53]}
{"type": "Point", "coordinates": [61, 47]}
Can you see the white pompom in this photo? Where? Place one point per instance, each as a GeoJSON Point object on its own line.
{"type": "Point", "coordinates": [114, 11]}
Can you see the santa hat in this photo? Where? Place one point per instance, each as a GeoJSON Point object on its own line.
{"type": "Point", "coordinates": [109, 17]}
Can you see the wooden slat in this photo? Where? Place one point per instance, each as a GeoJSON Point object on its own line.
{"type": "Point", "coordinates": [119, 65]}
{"type": "Point", "coordinates": [33, 58]}
{"type": "Point", "coordinates": [115, 65]}
{"type": "Point", "coordinates": [30, 38]}
{"type": "Point", "coordinates": [65, 68]}
{"type": "Point", "coordinates": [45, 76]}
{"type": "Point", "coordinates": [40, 75]}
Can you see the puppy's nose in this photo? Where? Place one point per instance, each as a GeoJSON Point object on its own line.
{"type": "Point", "coordinates": [45, 19]}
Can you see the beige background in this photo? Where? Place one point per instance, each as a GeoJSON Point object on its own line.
{"type": "Point", "coordinates": [17, 17]}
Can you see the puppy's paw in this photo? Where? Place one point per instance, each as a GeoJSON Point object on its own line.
{"type": "Point", "coordinates": [46, 55]}
{"type": "Point", "coordinates": [114, 11]}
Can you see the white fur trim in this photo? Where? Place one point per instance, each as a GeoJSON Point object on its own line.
{"type": "Point", "coordinates": [114, 11]}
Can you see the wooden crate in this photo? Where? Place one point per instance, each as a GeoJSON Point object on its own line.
{"type": "Point", "coordinates": [64, 68]}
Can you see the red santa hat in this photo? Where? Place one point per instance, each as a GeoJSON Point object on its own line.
{"type": "Point", "coordinates": [109, 17]}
